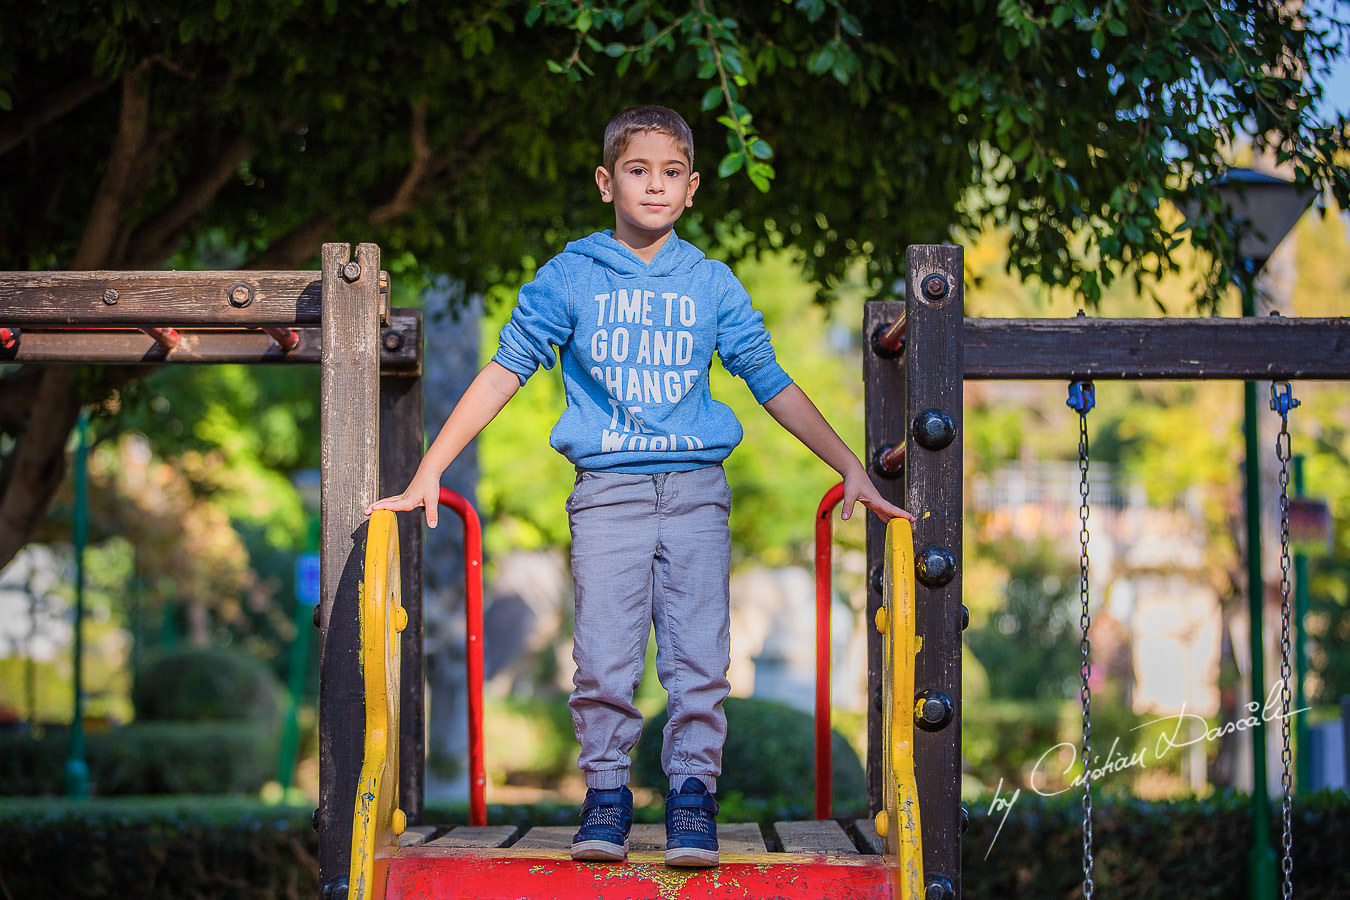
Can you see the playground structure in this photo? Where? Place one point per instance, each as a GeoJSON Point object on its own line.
{"type": "Point", "coordinates": [922, 350]}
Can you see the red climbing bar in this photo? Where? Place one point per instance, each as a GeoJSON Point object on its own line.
{"type": "Point", "coordinates": [892, 337]}
{"type": "Point", "coordinates": [473, 616]}
{"type": "Point", "coordinates": [287, 338]}
{"type": "Point", "coordinates": [824, 755]}
{"type": "Point", "coordinates": [892, 459]}
{"type": "Point", "coordinates": [167, 338]}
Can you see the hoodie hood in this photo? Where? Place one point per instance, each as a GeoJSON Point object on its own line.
{"type": "Point", "coordinates": [674, 257]}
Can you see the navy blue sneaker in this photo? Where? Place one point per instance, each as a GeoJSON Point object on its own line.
{"type": "Point", "coordinates": [606, 817]}
{"type": "Point", "coordinates": [691, 825]}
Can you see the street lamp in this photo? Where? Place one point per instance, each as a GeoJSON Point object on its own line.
{"type": "Point", "coordinates": [1263, 209]}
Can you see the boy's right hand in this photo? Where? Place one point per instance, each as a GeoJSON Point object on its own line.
{"type": "Point", "coordinates": [426, 494]}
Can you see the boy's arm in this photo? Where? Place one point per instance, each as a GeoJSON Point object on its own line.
{"type": "Point", "coordinates": [486, 395]}
{"type": "Point", "coordinates": [795, 412]}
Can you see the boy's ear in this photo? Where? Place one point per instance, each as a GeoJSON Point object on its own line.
{"type": "Point", "coordinates": [605, 182]}
{"type": "Point", "coordinates": [693, 186]}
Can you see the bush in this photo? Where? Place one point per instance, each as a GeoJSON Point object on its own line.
{"type": "Point", "coordinates": [769, 758]}
{"type": "Point", "coordinates": [152, 758]}
{"type": "Point", "coordinates": [213, 684]}
{"type": "Point", "coordinates": [1146, 850]}
{"type": "Point", "coordinates": [202, 848]}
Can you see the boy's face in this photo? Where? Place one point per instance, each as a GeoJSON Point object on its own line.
{"type": "Point", "coordinates": [650, 187]}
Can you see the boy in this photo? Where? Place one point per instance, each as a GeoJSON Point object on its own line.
{"type": "Point", "coordinates": [636, 315]}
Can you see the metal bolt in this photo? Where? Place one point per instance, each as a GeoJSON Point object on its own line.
{"type": "Point", "coordinates": [934, 287]}
{"type": "Point", "coordinates": [240, 295]}
{"type": "Point", "coordinates": [336, 889]}
{"type": "Point", "coordinates": [934, 566]}
{"type": "Point", "coordinates": [933, 429]}
{"type": "Point", "coordinates": [965, 617]}
{"type": "Point", "coordinates": [875, 578]}
{"type": "Point", "coordinates": [315, 616]}
{"type": "Point", "coordinates": [314, 819]}
{"type": "Point", "coordinates": [392, 340]}
{"type": "Point", "coordinates": [932, 710]}
{"type": "Point", "coordinates": [965, 820]}
{"type": "Point", "coordinates": [110, 296]}
{"type": "Point", "coordinates": [351, 271]}
{"type": "Point", "coordinates": [938, 888]}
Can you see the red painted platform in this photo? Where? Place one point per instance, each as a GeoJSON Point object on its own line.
{"type": "Point", "coordinates": [434, 873]}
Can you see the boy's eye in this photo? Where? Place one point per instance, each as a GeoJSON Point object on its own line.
{"type": "Point", "coordinates": [637, 170]}
{"type": "Point", "coordinates": [672, 173]}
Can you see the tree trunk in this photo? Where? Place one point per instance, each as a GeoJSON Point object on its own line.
{"type": "Point", "coordinates": [38, 462]}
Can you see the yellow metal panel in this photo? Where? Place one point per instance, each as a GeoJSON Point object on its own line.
{"type": "Point", "coordinates": [899, 644]}
{"type": "Point", "coordinates": [378, 820]}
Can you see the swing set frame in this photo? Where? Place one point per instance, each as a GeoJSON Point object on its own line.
{"type": "Point", "coordinates": [914, 401]}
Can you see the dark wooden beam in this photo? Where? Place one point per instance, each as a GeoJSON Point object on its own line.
{"type": "Point", "coordinates": [884, 400]}
{"type": "Point", "coordinates": [229, 298]}
{"type": "Point", "coordinates": [399, 343]}
{"type": "Point", "coordinates": [934, 305]}
{"type": "Point", "coordinates": [1258, 349]}
{"type": "Point", "coordinates": [350, 415]}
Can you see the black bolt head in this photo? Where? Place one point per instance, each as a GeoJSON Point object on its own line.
{"type": "Point", "coordinates": [392, 340]}
{"type": "Point", "coordinates": [934, 566]}
{"type": "Point", "coordinates": [933, 711]}
{"type": "Point", "coordinates": [336, 889]}
{"type": "Point", "coordinates": [315, 616]}
{"type": "Point", "coordinates": [965, 617]}
{"type": "Point", "coordinates": [939, 888]}
{"type": "Point", "coordinates": [874, 579]}
{"type": "Point", "coordinates": [965, 820]}
{"type": "Point", "coordinates": [314, 819]}
{"type": "Point", "coordinates": [933, 429]}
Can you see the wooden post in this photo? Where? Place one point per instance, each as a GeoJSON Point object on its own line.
{"type": "Point", "coordinates": [884, 398]}
{"type": "Point", "coordinates": [401, 447]}
{"type": "Point", "coordinates": [350, 397]}
{"type": "Point", "coordinates": [933, 362]}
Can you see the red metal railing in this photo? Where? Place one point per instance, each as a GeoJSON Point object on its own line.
{"type": "Point", "coordinates": [824, 755]}
{"type": "Point", "coordinates": [473, 616]}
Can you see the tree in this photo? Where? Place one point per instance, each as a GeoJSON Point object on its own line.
{"type": "Point", "coordinates": [139, 132]}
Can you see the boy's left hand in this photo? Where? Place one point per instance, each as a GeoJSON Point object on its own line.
{"type": "Point", "coordinates": [859, 488]}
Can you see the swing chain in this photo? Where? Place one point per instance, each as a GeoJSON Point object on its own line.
{"type": "Point", "coordinates": [1082, 397]}
{"type": "Point", "coordinates": [1282, 403]}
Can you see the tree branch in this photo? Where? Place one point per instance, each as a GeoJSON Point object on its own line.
{"type": "Point", "coordinates": [154, 240]}
{"type": "Point", "coordinates": [293, 249]}
{"type": "Point", "coordinates": [48, 109]}
{"type": "Point", "coordinates": [104, 222]}
{"type": "Point", "coordinates": [421, 161]}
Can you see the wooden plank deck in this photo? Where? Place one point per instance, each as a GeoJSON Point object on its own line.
{"type": "Point", "coordinates": [819, 838]}
{"type": "Point", "coordinates": [824, 837]}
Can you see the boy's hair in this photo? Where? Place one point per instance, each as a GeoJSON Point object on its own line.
{"type": "Point", "coordinates": [637, 120]}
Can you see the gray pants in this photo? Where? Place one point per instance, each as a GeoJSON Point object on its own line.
{"type": "Point", "coordinates": [651, 550]}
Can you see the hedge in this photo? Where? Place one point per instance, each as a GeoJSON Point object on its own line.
{"type": "Point", "coordinates": [213, 848]}
{"type": "Point", "coordinates": [149, 758]}
{"type": "Point", "coordinates": [1192, 848]}
{"type": "Point", "coordinates": [171, 848]}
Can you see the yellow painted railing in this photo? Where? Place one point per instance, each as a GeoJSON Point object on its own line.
{"type": "Point", "coordinates": [378, 821]}
{"type": "Point", "coordinates": [898, 822]}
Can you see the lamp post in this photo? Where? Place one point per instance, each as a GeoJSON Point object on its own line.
{"type": "Point", "coordinates": [1264, 209]}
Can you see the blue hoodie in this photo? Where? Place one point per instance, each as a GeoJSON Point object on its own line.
{"type": "Point", "coordinates": [636, 341]}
